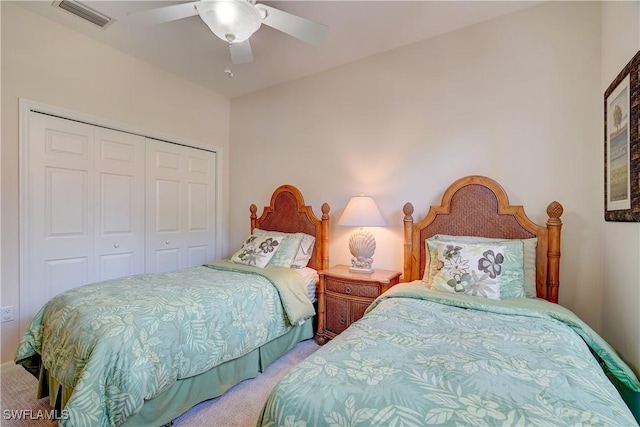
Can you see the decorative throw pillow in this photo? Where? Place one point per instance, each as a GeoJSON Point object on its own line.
{"type": "Point", "coordinates": [289, 245]}
{"type": "Point", "coordinates": [471, 269]}
{"type": "Point", "coordinates": [257, 250]}
{"type": "Point", "coordinates": [302, 242]}
{"type": "Point", "coordinates": [518, 258]}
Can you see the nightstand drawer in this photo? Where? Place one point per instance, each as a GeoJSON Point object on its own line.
{"type": "Point", "coordinates": [352, 288]}
{"type": "Point", "coordinates": [337, 315]}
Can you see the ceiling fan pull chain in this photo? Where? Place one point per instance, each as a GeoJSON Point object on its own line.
{"type": "Point", "coordinates": [227, 70]}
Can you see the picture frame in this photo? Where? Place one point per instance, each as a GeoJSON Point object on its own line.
{"type": "Point", "coordinates": [622, 145]}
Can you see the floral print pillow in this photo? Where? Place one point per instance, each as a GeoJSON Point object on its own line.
{"type": "Point", "coordinates": [257, 250]}
{"type": "Point", "coordinates": [300, 243]}
{"type": "Point", "coordinates": [471, 269]}
{"type": "Point", "coordinates": [519, 256]}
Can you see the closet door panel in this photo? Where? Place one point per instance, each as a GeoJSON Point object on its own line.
{"type": "Point", "coordinates": [180, 206]}
{"type": "Point", "coordinates": [167, 207]}
{"type": "Point", "coordinates": [200, 215]}
{"type": "Point", "coordinates": [198, 255]}
{"type": "Point", "coordinates": [165, 197]}
{"type": "Point", "coordinates": [119, 203]}
{"type": "Point", "coordinates": [59, 200]}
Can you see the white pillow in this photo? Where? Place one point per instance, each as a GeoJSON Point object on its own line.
{"type": "Point", "coordinates": [471, 269]}
{"type": "Point", "coordinates": [257, 250]}
{"type": "Point", "coordinates": [304, 253]}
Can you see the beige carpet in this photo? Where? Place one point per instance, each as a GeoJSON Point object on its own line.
{"type": "Point", "coordinates": [238, 407]}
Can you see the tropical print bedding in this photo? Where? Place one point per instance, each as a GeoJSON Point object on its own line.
{"type": "Point", "coordinates": [420, 357]}
{"type": "Point", "coordinates": [119, 342]}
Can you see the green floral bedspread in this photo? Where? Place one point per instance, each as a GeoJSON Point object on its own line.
{"type": "Point", "coordinates": [122, 341]}
{"type": "Point", "coordinates": [425, 358]}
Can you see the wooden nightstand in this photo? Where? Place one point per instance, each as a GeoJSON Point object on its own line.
{"type": "Point", "coordinates": [343, 297]}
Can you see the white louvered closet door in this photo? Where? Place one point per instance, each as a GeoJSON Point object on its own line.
{"type": "Point", "coordinates": [180, 199]}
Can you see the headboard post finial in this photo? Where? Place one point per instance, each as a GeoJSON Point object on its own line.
{"type": "Point", "coordinates": [407, 209]}
{"type": "Point", "coordinates": [325, 236]}
{"type": "Point", "coordinates": [554, 226]}
{"type": "Point", "coordinates": [254, 216]}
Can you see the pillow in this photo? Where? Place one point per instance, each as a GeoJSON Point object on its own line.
{"type": "Point", "coordinates": [304, 253]}
{"type": "Point", "coordinates": [469, 268]}
{"type": "Point", "coordinates": [529, 248]}
{"type": "Point", "coordinates": [257, 250]}
{"type": "Point", "coordinates": [513, 266]}
{"type": "Point", "coordinates": [431, 262]}
{"type": "Point", "coordinates": [289, 245]}
{"type": "Point", "coordinates": [304, 250]}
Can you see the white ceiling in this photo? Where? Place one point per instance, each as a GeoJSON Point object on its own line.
{"type": "Point", "coordinates": [357, 29]}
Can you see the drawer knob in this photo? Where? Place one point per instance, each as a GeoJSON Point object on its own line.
{"type": "Point", "coordinates": [348, 289]}
{"type": "Point", "coordinates": [116, 245]}
{"type": "Point", "coordinates": [342, 320]}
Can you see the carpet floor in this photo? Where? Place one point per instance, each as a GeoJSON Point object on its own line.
{"type": "Point", "coordinates": [240, 406]}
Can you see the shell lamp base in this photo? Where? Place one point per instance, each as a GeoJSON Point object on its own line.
{"type": "Point", "coordinates": [361, 270]}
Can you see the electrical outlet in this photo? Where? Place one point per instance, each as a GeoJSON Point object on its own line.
{"type": "Point", "coordinates": [7, 313]}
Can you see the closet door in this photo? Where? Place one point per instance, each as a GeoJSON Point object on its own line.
{"type": "Point", "coordinates": [85, 206]}
{"type": "Point", "coordinates": [180, 206]}
{"type": "Point", "coordinates": [60, 207]}
{"type": "Point", "coordinates": [200, 209]}
{"type": "Point", "coordinates": [102, 204]}
{"type": "Point", "coordinates": [119, 201]}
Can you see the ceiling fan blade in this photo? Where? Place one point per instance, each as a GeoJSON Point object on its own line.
{"type": "Point", "coordinates": [241, 52]}
{"type": "Point", "coordinates": [296, 26]}
{"type": "Point", "coordinates": [164, 14]}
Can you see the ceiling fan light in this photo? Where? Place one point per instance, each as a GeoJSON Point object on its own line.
{"type": "Point", "coordinates": [233, 21]}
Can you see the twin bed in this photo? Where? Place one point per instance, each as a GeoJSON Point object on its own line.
{"type": "Point", "coordinates": [474, 336]}
{"type": "Point", "coordinates": [141, 350]}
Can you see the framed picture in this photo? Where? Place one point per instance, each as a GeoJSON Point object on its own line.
{"type": "Point", "coordinates": [622, 145]}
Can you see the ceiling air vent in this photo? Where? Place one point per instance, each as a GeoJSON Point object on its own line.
{"type": "Point", "coordinates": [84, 12]}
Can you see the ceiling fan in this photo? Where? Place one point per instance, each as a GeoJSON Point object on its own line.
{"type": "Point", "coordinates": [234, 21]}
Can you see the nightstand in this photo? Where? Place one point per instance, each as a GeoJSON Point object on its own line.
{"type": "Point", "coordinates": [343, 297]}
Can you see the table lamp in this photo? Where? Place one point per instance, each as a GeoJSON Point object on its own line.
{"type": "Point", "coordinates": [361, 211]}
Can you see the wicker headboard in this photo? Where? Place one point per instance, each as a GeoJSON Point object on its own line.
{"type": "Point", "coordinates": [479, 206]}
{"type": "Point", "coordinates": [288, 213]}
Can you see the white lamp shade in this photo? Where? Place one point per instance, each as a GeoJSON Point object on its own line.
{"type": "Point", "coordinates": [233, 21]}
{"type": "Point", "coordinates": [362, 211]}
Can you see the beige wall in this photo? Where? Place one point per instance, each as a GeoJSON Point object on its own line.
{"type": "Point", "coordinates": [621, 242]}
{"type": "Point", "coordinates": [516, 98]}
{"type": "Point", "coordinates": [50, 64]}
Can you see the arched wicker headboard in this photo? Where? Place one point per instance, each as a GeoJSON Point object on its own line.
{"type": "Point", "coordinates": [478, 206]}
{"type": "Point", "coordinates": [288, 213]}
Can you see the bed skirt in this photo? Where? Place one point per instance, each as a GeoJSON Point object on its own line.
{"type": "Point", "coordinates": [188, 392]}
{"type": "Point", "coordinates": [631, 398]}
